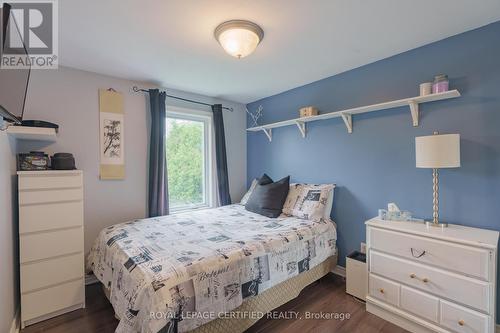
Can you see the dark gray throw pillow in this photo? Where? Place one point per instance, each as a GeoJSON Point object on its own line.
{"type": "Point", "coordinates": [264, 180]}
{"type": "Point", "coordinates": [268, 199]}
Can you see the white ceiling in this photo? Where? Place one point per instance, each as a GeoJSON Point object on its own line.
{"type": "Point", "coordinates": [171, 43]}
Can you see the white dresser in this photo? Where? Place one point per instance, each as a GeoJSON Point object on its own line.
{"type": "Point", "coordinates": [428, 279]}
{"type": "Point", "coordinates": [50, 243]}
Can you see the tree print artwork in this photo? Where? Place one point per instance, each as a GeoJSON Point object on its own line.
{"type": "Point", "coordinates": [112, 138]}
{"type": "Point", "coordinates": [112, 143]}
{"type": "Point", "coordinates": [111, 135]}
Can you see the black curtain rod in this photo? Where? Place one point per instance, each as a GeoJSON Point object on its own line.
{"type": "Point", "coordinates": [136, 89]}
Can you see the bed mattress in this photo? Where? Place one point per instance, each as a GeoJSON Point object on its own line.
{"type": "Point", "coordinates": [198, 266]}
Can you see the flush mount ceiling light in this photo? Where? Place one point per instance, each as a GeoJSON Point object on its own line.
{"type": "Point", "coordinates": [239, 38]}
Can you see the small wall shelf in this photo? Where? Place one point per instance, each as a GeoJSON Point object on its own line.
{"type": "Point", "coordinates": [346, 115]}
{"type": "Point", "coordinates": [32, 133]}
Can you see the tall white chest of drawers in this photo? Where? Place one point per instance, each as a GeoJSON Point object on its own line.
{"type": "Point", "coordinates": [50, 243]}
{"type": "Point", "coordinates": [432, 279]}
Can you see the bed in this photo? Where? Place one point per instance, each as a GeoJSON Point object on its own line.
{"type": "Point", "coordinates": [208, 270]}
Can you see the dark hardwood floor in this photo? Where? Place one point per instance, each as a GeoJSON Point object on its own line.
{"type": "Point", "coordinates": [327, 297]}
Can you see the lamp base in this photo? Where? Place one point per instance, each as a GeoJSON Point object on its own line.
{"type": "Point", "coordinates": [439, 224]}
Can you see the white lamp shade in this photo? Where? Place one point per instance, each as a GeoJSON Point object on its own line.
{"type": "Point", "coordinates": [438, 151]}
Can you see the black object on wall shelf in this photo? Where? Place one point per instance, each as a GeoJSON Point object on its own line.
{"type": "Point", "coordinates": [39, 123]}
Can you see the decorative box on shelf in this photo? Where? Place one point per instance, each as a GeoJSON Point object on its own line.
{"type": "Point", "coordinates": [308, 111]}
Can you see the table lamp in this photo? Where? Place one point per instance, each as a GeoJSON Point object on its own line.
{"type": "Point", "coordinates": [435, 152]}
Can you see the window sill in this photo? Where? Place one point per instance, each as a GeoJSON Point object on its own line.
{"type": "Point", "coordinates": [188, 209]}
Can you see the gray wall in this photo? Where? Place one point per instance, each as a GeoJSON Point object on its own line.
{"type": "Point", "coordinates": [8, 231]}
{"type": "Point", "coordinates": [69, 97]}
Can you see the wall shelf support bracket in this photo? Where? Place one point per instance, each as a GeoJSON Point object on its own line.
{"type": "Point", "coordinates": [302, 128]}
{"type": "Point", "coordinates": [414, 112]}
{"type": "Point", "coordinates": [347, 118]}
{"type": "Point", "coordinates": [269, 133]}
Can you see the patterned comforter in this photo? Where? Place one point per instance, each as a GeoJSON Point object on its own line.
{"type": "Point", "coordinates": [187, 269]}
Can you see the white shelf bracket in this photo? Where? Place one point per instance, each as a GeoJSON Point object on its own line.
{"type": "Point", "coordinates": [347, 121]}
{"type": "Point", "coordinates": [414, 112]}
{"type": "Point", "coordinates": [269, 133]}
{"type": "Point", "coordinates": [302, 128]}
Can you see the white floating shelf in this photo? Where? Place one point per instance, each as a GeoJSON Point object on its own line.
{"type": "Point", "coordinates": [346, 115]}
{"type": "Point", "coordinates": [32, 133]}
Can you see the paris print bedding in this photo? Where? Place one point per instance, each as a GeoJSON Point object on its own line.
{"type": "Point", "coordinates": [180, 271]}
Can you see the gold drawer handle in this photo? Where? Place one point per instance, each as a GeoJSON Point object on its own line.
{"type": "Point", "coordinates": [414, 276]}
{"type": "Point", "coordinates": [382, 290]}
{"type": "Point", "coordinates": [461, 322]}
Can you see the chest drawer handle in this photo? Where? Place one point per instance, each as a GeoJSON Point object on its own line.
{"type": "Point", "coordinates": [414, 276]}
{"type": "Point", "coordinates": [415, 254]}
{"type": "Point", "coordinates": [381, 290]}
{"type": "Point", "coordinates": [461, 322]}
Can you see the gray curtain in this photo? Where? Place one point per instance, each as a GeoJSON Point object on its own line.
{"type": "Point", "coordinates": [220, 156]}
{"type": "Point", "coordinates": [158, 184]}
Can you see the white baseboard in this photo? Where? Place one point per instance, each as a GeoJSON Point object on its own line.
{"type": "Point", "coordinates": [15, 327]}
{"type": "Point", "coordinates": [339, 270]}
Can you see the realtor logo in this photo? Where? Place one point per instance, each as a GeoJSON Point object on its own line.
{"type": "Point", "coordinates": [31, 35]}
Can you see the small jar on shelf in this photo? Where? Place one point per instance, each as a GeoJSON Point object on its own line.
{"type": "Point", "coordinates": [440, 84]}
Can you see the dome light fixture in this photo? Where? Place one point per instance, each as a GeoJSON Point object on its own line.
{"type": "Point", "coordinates": [239, 38]}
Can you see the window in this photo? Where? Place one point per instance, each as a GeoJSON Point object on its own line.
{"type": "Point", "coordinates": [188, 160]}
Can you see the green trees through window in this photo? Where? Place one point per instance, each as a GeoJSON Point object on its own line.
{"type": "Point", "coordinates": [185, 162]}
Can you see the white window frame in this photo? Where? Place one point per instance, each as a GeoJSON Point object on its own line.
{"type": "Point", "coordinates": [208, 156]}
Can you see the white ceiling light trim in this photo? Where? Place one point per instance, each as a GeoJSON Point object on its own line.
{"type": "Point", "coordinates": [239, 38]}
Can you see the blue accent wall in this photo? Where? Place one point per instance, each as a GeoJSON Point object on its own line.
{"type": "Point", "coordinates": [375, 164]}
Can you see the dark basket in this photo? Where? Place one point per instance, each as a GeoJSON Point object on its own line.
{"type": "Point", "coordinates": [63, 161]}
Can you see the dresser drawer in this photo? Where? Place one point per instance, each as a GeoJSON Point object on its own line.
{"type": "Point", "coordinates": [53, 299]}
{"type": "Point", "coordinates": [55, 180]}
{"type": "Point", "coordinates": [47, 196]}
{"type": "Point", "coordinates": [455, 257]}
{"type": "Point", "coordinates": [34, 218]}
{"type": "Point", "coordinates": [51, 272]}
{"type": "Point", "coordinates": [465, 290]}
{"type": "Point", "coordinates": [420, 303]}
{"type": "Point", "coordinates": [384, 290]}
{"type": "Point", "coordinates": [50, 244]}
{"type": "Point", "coordinates": [462, 320]}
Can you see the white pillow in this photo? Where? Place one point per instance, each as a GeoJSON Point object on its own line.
{"type": "Point", "coordinates": [329, 204]}
{"type": "Point", "coordinates": [249, 192]}
{"type": "Point", "coordinates": [311, 202]}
